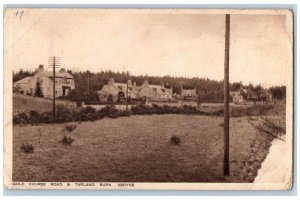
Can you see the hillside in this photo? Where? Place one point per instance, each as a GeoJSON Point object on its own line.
{"type": "Point", "coordinates": [22, 103]}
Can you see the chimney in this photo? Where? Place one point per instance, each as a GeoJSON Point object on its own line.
{"type": "Point", "coordinates": [110, 81]}
{"type": "Point", "coordinates": [62, 70]}
{"type": "Point", "coordinates": [41, 68]}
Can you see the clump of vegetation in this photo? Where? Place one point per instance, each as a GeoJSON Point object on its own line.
{"type": "Point", "coordinates": [67, 140]}
{"type": "Point", "coordinates": [259, 148]}
{"type": "Point", "coordinates": [38, 90]}
{"type": "Point", "coordinates": [66, 114]}
{"type": "Point", "coordinates": [21, 118]}
{"type": "Point", "coordinates": [174, 139]}
{"type": "Point", "coordinates": [254, 110]}
{"type": "Point", "coordinates": [165, 109]}
{"type": "Point", "coordinates": [270, 126]}
{"type": "Point", "coordinates": [70, 127]}
{"type": "Point", "coordinates": [27, 148]}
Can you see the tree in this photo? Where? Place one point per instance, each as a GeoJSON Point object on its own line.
{"type": "Point", "coordinates": [258, 91]}
{"type": "Point", "coordinates": [236, 86]}
{"type": "Point", "coordinates": [38, 90]}
{"type": "Point", "coordinates": [278, 92]}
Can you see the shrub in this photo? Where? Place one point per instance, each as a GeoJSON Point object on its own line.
{"type": "Point", "coordinates": [174, 139]}
{"type": "Point", "coordinates": [70, 127]}
{"type": "Point", "coordinates": [125, 113]}
{"type": "Point", "coordinates": [67, 140]}
{"type": "Point", "coordinates": [34, 117]}
{"type": "Point", "coordinates": [87, 114]}
{"type": "Point", "coordinates": [47, 117]}
{"type": "Point", "coordinates": [107, 110]}
{"type": "Point", "coordinates": [142, 109]}
{"type": "Point", "coordinates": [27, 148]}
{"type": "Point", "coordinates": [88, 110]}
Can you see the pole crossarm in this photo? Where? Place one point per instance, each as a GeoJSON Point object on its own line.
{"type": "Point", "coordinates": [54, 62]}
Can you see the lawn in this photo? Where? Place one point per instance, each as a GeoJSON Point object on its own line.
{"type": "Point", "coordinates": [137, 149]}
{"type": "Point", "coordinates": [23, 103]}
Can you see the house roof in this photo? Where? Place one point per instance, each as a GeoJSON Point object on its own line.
{"type": "Point", "coordinates": [189, 90]}
{"type": "Point", "coordinates": [159, 89]}
{"type": "Point", "coordinates": [24, 80]}
{"type": "Point", "coordinates": [121, 87]}
{"type": "Point", "coordinates": [59, 74]}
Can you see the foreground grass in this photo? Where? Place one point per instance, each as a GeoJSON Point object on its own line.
{"type": "Point", "coordinates": [137, 149]}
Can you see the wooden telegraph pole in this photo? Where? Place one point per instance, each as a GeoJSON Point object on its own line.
{"type": "Point", "coordinates": [226, 98]}
{"type": "Point", "coordinates": [54, 62]}
{"type": "Point", "coordinates": [127, 91]}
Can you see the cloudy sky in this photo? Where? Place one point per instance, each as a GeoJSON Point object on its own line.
{"type": "Point", "coordinates": [154, 44]}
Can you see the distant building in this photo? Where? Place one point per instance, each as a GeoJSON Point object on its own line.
{"type": "Point", "coordinates": [118, 91]}
{"type": "Point", "coordinates": [245, 93]}
{"type": "Point", "coordinates": [64, 82]}
{"type": "Point", "coordinates": [237, 96]}
{"type": "Point", "coordinates": [189, 94]}
{"type": "Point", "coordinates": [155, 92]}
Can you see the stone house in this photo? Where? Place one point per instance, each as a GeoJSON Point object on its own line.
{"type": "Point", "coordinates": [21, 86]}
{"type": "Point", "coordinates": [64, 82]}
{"type": "Point", "coordinates": [118, 91]}
{"type": "Point", "coordinates": [155, 92]}
{"type": "Point", "coordinates": [189, 94]}
{"type": "Point", "coordinates": [237, 96]}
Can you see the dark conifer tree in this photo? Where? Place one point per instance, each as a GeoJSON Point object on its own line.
{"type": "Point", "coordinates": [38, 90]}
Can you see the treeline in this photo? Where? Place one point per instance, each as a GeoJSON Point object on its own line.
{"type": "Point", "coordinates": [22, 74]}
{"type": "Point", "coordinates": [87, 83]}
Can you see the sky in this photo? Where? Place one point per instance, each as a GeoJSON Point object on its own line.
{"type": "Point", "coordinates": [189, 45]}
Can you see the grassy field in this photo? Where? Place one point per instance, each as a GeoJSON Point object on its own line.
{"type": "Point", "coordinates": [22, 103]}
{"type": "Point", "coordinates": [137, 149]}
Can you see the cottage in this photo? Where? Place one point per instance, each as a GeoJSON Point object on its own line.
{"type": "Point", "coordinates": [189, 94]}
{"type": "Point", "coordinates": [21, 86]}
{"type": "Point", "coordinates": [117, 91]}
{"type": "Point", "coordinates": [237, 96]}
{"type": "Point", "coordinates": [155, 92]}
{"type": "Point", "coordinates": [64, 82]}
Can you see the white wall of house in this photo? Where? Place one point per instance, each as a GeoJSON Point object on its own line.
{"type": "Point", "coordinates": [62, 84]}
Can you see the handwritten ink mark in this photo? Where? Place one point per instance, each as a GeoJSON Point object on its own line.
{"type": "Point", "coordinates": [20, 14]}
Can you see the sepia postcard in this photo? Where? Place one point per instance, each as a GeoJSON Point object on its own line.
{"type": "Point", "coordinates": [148, 99]}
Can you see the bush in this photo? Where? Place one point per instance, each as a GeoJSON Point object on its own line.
{"type": "Point", "coordinates": [27, 148]}
{"type": "Point", "coordinates": [142, 109]}
{"type": "Point", "coordinates": [174, 139]}
{"type": "Point", "coordinates": [88, 110]}
{"type": "Point", "coordinates": [125, 113]}
{"type": "Point", "coordinates": [107, 110]}
{"type": "Point", "coordinates": [67, 140]}
{"type": "Point", "coordinates": [21, 118]}
{"type": "Point", "coordinates": [70, 127]}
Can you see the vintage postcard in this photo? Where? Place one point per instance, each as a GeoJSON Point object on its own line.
{"type": "Point", "coordinates": [148, 99]}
